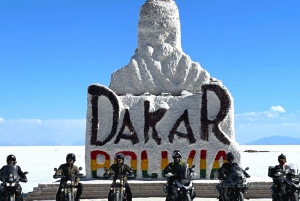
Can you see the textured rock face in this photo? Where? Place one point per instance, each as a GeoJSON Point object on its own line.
{"type": "Point", "coordinates": [159, 65]}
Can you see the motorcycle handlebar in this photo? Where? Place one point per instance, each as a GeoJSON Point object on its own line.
{"type": "Point", "coordinates": [23, 180]}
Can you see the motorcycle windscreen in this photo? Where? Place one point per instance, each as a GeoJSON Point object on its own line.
{"type": "Point", "coordinates": [11, 170]}
{"type": "Point", "coordinates": [237, 174]}
{"type": "Point", "coordinates": [184, 173]}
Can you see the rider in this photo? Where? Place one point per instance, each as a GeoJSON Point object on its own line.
{"type": "Point", "coordinates": [12, 160]}
{"type": "Point", "coordinates": [281, 167]}
{"type": "Point", "coordinates": [120, 168]}
{"type": "Point", "coordinates": [225, 170]}
{"type": "Point", "coordinates": [174, 168]}
{"type": "Point", "coordinates": [67, 169]}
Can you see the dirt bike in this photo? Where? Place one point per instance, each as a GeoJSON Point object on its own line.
{"type": "Point", "coordinates": [118, 188]}
{"type": "Point", "coordinates": [10, 185]}
{"type": "Point", "coordinates": [285, 184]}
{"type": "Point", "coordinates": [68, 185]}
{"type": "Point", "coordinates": [234, 186]}
{"type": "Point", "coordinates": [182, 188]}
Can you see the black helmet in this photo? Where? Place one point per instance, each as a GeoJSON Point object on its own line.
{"type": "Point", "coordinates": [229, 156]}
{"type": "Point", "coordinates": [71, 155]}
{"type": "Point", "coordinates": [281, 156]}
{"type": "Point", "coordinates": [11, 157]}
{"type": "Point", "coordinates": [176, 153]}
{"type": "Point", "coordinates": [119, 156]}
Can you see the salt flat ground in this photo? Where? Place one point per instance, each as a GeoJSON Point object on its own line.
{"type": "Point", "coordinates": [162, 199]}
{"type": "Point", "coordinates": [39, 161]}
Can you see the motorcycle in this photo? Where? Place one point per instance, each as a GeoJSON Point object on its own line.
{"type": "Point", "coordinates": [183, 189]}
{"type": "Point", "coordinates": [285, 184]}
{"type": "Point", "coordinates": [234, 186]}
{"type": "Point", "coordinates": [10, 185]}
{"type": "Point", "coordinates": [68, 185]}
{"type": "Point", "coordinates": [118, 188]}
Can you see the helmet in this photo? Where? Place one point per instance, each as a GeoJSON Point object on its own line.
{"type": "Point", "coordinates": [71, 155]}
{"type": "Point", "coordinates": [176, 153]}
{"type": "Point", "coordinates": [281, 156]}
{"type": "Point", "coordinates": [119, 156]}
{"type": "Point", "coordinates": [229, 156]}
{"type": "Point", "coordinates": [11, 157]}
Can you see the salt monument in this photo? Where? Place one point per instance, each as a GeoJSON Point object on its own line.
{"type": "Point", "coordinates": [160, 101]}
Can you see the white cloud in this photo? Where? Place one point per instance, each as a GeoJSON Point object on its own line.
{"type": "Point", "coordinates": [1, 120]}
{"type": "Point", "coordinates": [254, 125]}
{"type": "Point", "coordinates": [274, 112]}
{"type": "Point", "coordinates": [277, 109]}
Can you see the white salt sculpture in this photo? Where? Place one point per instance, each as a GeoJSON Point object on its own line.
{"type": "Point", "coordinates": [159, 102]}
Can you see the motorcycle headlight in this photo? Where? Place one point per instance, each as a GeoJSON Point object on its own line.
{"type": "Point", "coordinates": [118, 181]}
{"type": "Point", "coordinates": [69, 182]}
{"type": "Point", "coordinates": [7, 184]}
{"type": "Point", "coordinates": [239, 180]}
{"type": "Point", "coordinates": [13, 184]}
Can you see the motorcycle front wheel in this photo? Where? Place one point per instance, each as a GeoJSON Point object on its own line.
{"type": "Point", "coordinates": [117, 196]}
{"type": "Point", "coordinates": [11, 197]}
{"type": "Point", "coordinates": [70, 197]}
{"type": "Point", "coordinates": [187, 197]}
{"type": "Point", "coordinates": [294, 197]}
{"type": "Point", "coordinates": [238, 197]}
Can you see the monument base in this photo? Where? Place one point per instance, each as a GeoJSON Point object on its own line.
{"type": "Point", "coordinates": [98, 189]}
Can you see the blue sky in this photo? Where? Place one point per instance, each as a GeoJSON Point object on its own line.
{"type": "Point", "coordinates": [51, 51]}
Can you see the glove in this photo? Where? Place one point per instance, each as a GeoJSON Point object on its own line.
{"type": "Point", "coordinates": [56, 176]}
